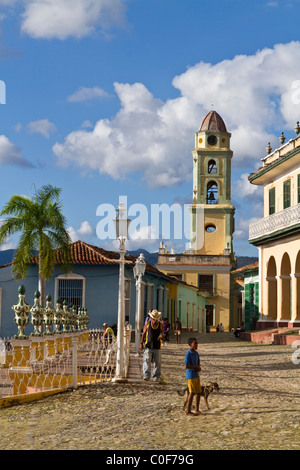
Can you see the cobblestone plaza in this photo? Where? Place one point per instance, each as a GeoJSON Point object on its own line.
{"type": "Point", "coordinates": [257, 408]}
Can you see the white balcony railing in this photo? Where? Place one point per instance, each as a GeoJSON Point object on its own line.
{"type": "Point", "coordinates": [275, 222]}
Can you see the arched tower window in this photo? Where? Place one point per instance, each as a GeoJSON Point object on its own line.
{"type": "Point", "coordinates": [212, 167]}
{"type": "Point", "coordinates": [212, 193]}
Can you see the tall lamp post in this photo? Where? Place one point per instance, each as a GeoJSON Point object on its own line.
{"type": "Point", "coordinates": [121, 226]}
{"type": "Point", "coordinates": [138, 272]}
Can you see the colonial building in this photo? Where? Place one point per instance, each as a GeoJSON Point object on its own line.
{"type": "Point", "coordinates": [208, 264]}
{"type": "Point", "coordinates": [94, 284]}
{"type": "Point", "coordinates": [277, 235]}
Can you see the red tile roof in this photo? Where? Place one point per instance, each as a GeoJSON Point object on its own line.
{"type": "Point", "coordinates": [248, 267]}
{"type": "Point", "coordinates": [85, 254]}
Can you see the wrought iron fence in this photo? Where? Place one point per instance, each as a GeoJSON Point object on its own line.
{"type": "Point", "coordinates": [60, 352]}
{"type": "Point", "coordinates": [58, 362]}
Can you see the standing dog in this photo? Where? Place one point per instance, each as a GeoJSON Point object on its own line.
{"type": "Point", "coordinates": [205, 392]}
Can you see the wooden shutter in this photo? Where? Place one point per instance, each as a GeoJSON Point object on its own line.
{"type": "Point", "coordinates": [286, 194]}
{"type": "Point", "coordinates": [271, 201]}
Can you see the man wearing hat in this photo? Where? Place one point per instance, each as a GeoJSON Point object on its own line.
{"type": "Point", "coordinates": [151, 341]}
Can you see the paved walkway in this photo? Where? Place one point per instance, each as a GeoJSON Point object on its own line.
{"type": "Point", "coordinates": [258, 406]}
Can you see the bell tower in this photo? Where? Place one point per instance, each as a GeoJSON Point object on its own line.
{"type": "Point", "coordinates": [207, 265]}
{"type": "Point", "coordinates": [211, 233]}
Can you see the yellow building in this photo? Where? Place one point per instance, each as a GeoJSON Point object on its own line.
{"type": "Point", "coordinates": [277, 235]}
{"type": "Point", "coordinates": [208, 264]}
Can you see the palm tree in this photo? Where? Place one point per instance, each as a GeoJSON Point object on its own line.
{"type": "Point", "coordinates": [42, 228]}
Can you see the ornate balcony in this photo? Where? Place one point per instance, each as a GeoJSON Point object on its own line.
{"type": "Point", "coordinates": [284, 221]}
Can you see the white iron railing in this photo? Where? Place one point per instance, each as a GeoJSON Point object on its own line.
{"type": "Point", "coordinates": [58, 362]}
{"type": "Point", "coordinates": [275, 222]}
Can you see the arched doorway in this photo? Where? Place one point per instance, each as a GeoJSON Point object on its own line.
{"type": "Point", "coordinates": [286, 288]}
{"type": "Point", "coordinates": [297, 275]}
{"type": "Point", "coordinates": [272, 289]}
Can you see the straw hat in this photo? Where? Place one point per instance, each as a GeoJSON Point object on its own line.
{"type": "Point", "coordinates": [155, 315]}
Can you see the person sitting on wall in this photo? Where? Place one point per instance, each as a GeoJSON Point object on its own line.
{"type": "Point", "coordinates": [108, 335]}
{"type": "Point", "coordinates": [239, 330]}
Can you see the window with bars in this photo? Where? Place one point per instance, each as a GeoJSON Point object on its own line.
{"type": "Point", "coordinates": [206, 282]}
{"type": "Point", "coordinates": [72, 291]}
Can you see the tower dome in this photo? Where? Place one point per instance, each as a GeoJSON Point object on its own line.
{"type": "Point", "coordinates": [213, 122]}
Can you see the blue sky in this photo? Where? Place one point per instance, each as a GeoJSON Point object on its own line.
{"type": "Point", "coordinates": [103, 98]}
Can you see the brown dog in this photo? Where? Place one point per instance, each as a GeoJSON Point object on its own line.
{"type": "Point", "coordinates": [205, 392]}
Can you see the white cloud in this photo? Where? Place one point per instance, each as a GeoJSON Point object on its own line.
{"type": "Point", "coordinates": [18, 127]}
{"type": "Point", "coordinates": [242, 229]}
{"type": "Point", "coordinates": [87, 124]}
{"type": "Point", "coordinates": [8, 245]}
{"type": "Point", "coordinates": [146, 135]}
{"type": "Point", "coordinates": [155, 138]}
{"type": "Point", "coordinates": [41, 126]}
{"type": "Point", "coordinates": [86, 94]}
{"type": "Point", "coordinates": [243, 188]}
{"type": "Point", "coordinates": [144, 237]}
{"type": "Point", "coordinates": [62, 19]}
{"type": "Point", "coordinates": [8, 3]}
{"type": "Point", "coordinates": [85, 230]}
{"type": "Point", "coordinates": [10, 154]}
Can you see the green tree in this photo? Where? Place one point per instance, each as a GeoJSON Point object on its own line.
{"type": "Point", "coordinates": [42, 228]}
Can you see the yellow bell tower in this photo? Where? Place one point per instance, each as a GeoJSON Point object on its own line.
{"type": "Point", "coordinates": [212, 235]}
{"type": "Point", "coordinates": [207, 265]}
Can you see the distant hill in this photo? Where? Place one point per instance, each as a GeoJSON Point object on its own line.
{"type": "Point", "coordinates": [6, 256]}
{"type": "Point", "coordinates": [150, 258]}
{"type": "Point", "coordinates": [245, 260]}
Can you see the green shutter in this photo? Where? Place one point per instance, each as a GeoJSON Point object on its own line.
{"type": "Point", "coordinates": [251, 303]}
{"type": "Point", "coordinates": [271, 201]}
{"type": "Point", "coordinates": [248, 304]}
{"type": "Point", "coordinates": [286, 194]}
{"type": "Point", "coordinates": [257, 296]}
{"type": "Point", "coordinates": [299, 189]}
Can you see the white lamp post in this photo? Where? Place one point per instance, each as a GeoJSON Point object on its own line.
{"type": "Point", "coordinates": [138, 272]}
{"type": "Point", "coordinates": [121, 226]}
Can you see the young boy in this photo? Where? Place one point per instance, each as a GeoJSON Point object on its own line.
{"type": "Point", "coordinates": [192, 365]}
